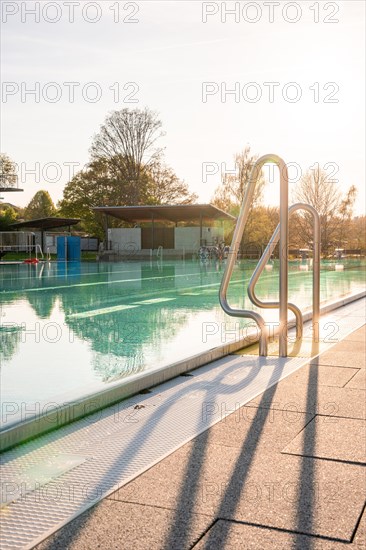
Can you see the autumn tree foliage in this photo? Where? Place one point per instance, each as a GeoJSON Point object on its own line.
{"type": "Point", "coordinates": [40, 206]}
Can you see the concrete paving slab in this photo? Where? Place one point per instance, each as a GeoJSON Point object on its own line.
{"type": "Point", "coordinates": [344, 439]}
{"type": "Point", "coordinates": [263, 430]}
{"type": "Point", "coordinates": [329, 375]}
{"type": "Point", "coordinates": [239, 536]}
{"type": "Point", "coordinates": [323, 375]}
{"type": "Point", "coordinates": [116, 525]}
{"type": "Point", "coordinates": [358, 381]}
{"type": "Point", "coordinates": [284, 492]}
{"type": "Point", "coordinates": [341, 358]}
{"type": "Point", "coordinates": [350, 345]}
{"type": "Point", "coordinates": [358, 335]}
{"type": "Point", "coordinates": [324, 400]}
{"type": "Point", "coordinates": [303, 495]}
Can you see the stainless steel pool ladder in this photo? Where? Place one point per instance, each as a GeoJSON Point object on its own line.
{"type": "Point", "coordinates": [280, 234]}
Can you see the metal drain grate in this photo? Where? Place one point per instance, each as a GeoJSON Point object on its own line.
{"type": "Point", "coordinates": [97, 455]}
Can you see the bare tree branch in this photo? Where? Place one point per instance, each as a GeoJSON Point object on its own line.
{"type": "Point", "coordinates": [232, 190]}
{"type": "Point", "coordinates": [322, 193]}
{"type": "Point", "coordinates": [127, 141]}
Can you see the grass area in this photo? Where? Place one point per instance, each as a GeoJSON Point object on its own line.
{"type": "Point", "coordinates": [20, 256]}
{"type": "Point", "coordinates": [88, 256]}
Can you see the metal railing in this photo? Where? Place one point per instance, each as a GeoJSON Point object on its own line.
{"type": "Point", "coordinates": [281, 235]}
{"type": "Point", "coordinates": [19, 241]}
{"type": "Point", "coordinates": [38, 248]}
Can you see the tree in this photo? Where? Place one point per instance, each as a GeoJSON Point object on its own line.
{"type": "Point", "coordinates": [127, 142]}
{"type": "Point", "coordinates": [89, 188]}
{"type": "Point", "coordinates": [345, 212]}
{"type": "Point", "coordinates": [7, 216]}
{"type": "Point", "coordinates": [357, 233]}
{"type": "Point", "coordinates": [232, 190]}
{"type": "Point", "coordinates": [8, 177]}
{"type": "Point", "coordinates": [164, 186]}
{"type": "Point", "coordinates": [262, 221]}
{"type": "Point", "coordinates": [98, 186]}
{"type": "Point", "coordinates": [316, 189]}
{"type": "Point", "coordinates": [126, 169]}
{"type": "Point", "coordinates": [41, 206]}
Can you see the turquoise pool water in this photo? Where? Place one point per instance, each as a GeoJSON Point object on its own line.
{"type": "Point", "coordinates": [69, 330]}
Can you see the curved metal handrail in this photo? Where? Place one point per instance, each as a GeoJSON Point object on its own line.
{"type": "Point", "coordinates": [316, 272]}
{"type": "Point", "coordinates": [234, 248]}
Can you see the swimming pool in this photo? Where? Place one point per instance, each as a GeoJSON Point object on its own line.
{"type": "Point", "coordinates": [69, 330]}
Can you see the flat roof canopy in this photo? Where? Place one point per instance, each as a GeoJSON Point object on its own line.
{"type": "Point", "coordinates": [9, 183]}
{"type": "Point", "coordinates": [46, 223]}
{"type": "Point", "coordinates": [173, 213]}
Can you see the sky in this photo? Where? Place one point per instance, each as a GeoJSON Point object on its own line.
{"type": "Point", "coordinates": [282, 77]}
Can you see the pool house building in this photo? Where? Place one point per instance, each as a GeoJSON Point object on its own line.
{"type": "Point", "coordinates": [177, 231]}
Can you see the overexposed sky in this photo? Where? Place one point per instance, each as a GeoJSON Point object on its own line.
{"type": "Point", "coordinates": [296, 70]}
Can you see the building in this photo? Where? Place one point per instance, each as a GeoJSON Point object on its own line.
{"type": "Point", "coordinates": [45, 231]}
{"type": "Point", "coordinates": [178, 230]}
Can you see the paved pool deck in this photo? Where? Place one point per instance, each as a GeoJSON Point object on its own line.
{"type": "Point", "coordinates": [286, 470]}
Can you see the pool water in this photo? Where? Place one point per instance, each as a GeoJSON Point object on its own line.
{"type": "Point", "coordinates": [68, 330]}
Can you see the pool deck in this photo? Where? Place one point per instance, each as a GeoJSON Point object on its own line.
{"type": "Point", "coordinates": [285, 470]}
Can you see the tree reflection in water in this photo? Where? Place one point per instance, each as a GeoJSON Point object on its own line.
{"type": "Point", "coordinates": [9, 341]}
{"type": "Point", "coordinates": [128, 313]}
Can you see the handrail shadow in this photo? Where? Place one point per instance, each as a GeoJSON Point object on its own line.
{"type": "Point", "coordinates": [238, 478]}
{"type": "Point", "coordinates": [307, 498]}
{"type": "Point", "coordinates": [138, 440]}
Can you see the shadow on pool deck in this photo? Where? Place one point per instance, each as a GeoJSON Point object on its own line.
{"type": "Point", "coordinates": [306, 500]}
{"type": "Point", "coordinates": [235, 486]}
